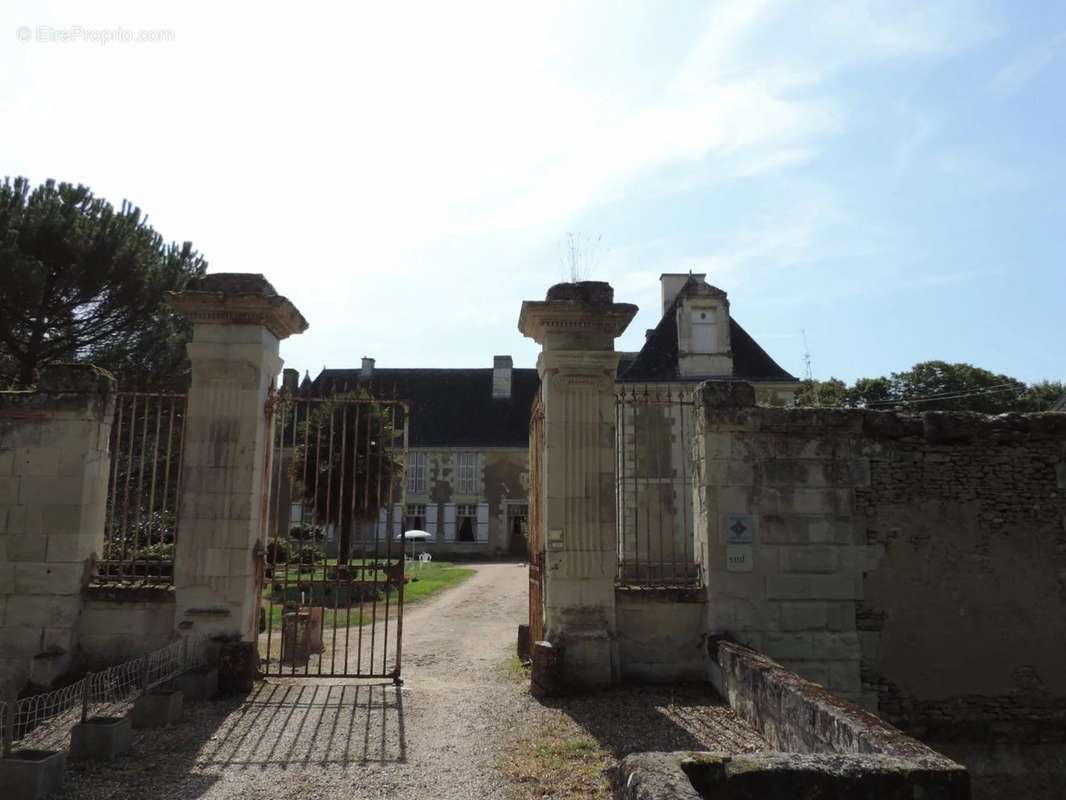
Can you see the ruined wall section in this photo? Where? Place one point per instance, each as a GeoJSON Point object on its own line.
{"type": "Point", "coordinates": [963, 624]}
{"type": "Point", "coordinates": [914, 562]}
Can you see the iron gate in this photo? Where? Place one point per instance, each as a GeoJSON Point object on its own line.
{"type": "Point", "coordinates": [332, 594]}
{"type": "Point", "coordinates": [536, 550]}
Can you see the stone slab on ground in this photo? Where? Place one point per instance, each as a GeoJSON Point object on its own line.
{"type": "Point", "coordinates": [101, 738]}
{"type": "Point", "coordinates": [159, 708]}
{"type": "Point", "coordinates": [784, 776]}
{"type": "Point", "coordinates": [197, 684]}
{"type": "Point", "coordinates": [32, 774]}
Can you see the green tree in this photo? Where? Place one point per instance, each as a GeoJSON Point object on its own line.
{"type": "Point", "coordinates": [822, 393]}
{"type": "Point", "coordinates": [936, 386]}
{"type": "Point", "coordinates": [81, 281]}
{"type": "Point", "coordinates": [1042, 396]}
{"type": "Point", "coordinates": [345, 463]}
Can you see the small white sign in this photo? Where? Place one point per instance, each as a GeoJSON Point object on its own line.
{"type": "Point", "coordinates": [739, 558]}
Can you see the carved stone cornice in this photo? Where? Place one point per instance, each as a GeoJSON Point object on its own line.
{"type": "Point", "coordinates": [238, 299]}
{"type": "Point", "coordinates": [540, 319]}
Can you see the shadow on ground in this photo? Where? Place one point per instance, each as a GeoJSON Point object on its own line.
{"type": "Point", "coordinates": [282, 725]}
{"type": "Point", "coordinates": [280, 728]}
{"type": "Point", "coordinates": [632, 719]}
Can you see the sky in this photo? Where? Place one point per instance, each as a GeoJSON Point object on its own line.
{"type": "Point", "coordinates": [886, 178]}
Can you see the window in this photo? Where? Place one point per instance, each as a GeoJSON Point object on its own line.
{"type": "Point", "coordinates": [416, 473]}
{"type": "Point", "coordinates": [296, 514]}
{"type": "Point", "coordinates": [468, 482]}
{"type": "Point", "coordinates": [703, 331]}
{"type": "Point", "coordinates": [517, 519]}
{"type": "Point", "coordinates": [416, 517]}
{"type": "Point", "coordinates": [466, 523]}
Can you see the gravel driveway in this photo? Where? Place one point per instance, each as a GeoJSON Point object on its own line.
{"type": "Point", "coordinates": [461, 727]}
{"type": "Point", "coordinates": [438, 736]}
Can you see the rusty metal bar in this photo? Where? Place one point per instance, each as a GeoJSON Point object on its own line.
{"type": "Point", "coordinates": [397, 679]}
{"type": "Point", "coordinates": [155, 472]}
{"type": "Point", "coordinates": [138, 512]}
{"type": "Point", "coordinates": [348, 543]}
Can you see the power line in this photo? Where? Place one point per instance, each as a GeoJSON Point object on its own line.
{"type": "Point", "coordinates": [998, 389]}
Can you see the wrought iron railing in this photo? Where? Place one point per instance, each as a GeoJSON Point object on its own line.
{"type": "Point", "coordinates": [656, 525]}
{"type": "Point", "coordinates": [144, 488]}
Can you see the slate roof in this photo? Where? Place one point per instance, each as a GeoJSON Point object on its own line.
{"type": "Point", "coordinates": [657, 360]}
{"type": "Point", "coordinates": [450, 407]}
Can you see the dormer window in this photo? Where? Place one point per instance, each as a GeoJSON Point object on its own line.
{"type": "Point", "coordinates": [703, 337]}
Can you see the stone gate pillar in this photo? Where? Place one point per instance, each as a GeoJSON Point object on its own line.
{"type": "Point", "coordinates": [238, 320]}
{"type": "Point", "coordinates": [576, 326]}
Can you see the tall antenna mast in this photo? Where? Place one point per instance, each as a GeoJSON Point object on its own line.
{"type": "Point", "coordinates": [808, 374]}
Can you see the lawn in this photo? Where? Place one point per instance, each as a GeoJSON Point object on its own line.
{"type": "Point", "coordinates": [423, 582]}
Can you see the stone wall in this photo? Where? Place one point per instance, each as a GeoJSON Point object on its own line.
{"type": "Point", "coordinates": [928, 549]}
{"type": "Point", "coordinates": [54, 468]}
{"type": "Point", "coordinates": [783, 555]}
{"type": "Point", "coordinates": [963, 624]}
{"type": "Point", "coordinates": [659, 635]}
{"type": "Point", "coordinates": [118, 623]}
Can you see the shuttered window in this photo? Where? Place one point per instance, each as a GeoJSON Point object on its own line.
{"type": "Point", "coordinates": [417, 468]}
{"type": "Point", "coordinates": [468, 478]}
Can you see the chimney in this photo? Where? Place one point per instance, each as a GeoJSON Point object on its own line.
{"type": "Point", "coordinates": [290, 380]}
{"type": "Point", "coordinates": [366, 371]}
{"type": "Point", "coordinates": [673, 282]}
{"type": "Point", "coordinates": [501, 377]}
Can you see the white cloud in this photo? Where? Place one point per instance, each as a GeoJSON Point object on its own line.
{"type": "Point", "coordinates": [387, 165]}
{"type": "Point", "coordinates": [1028, 64]}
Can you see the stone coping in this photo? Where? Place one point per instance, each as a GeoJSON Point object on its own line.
{"type": "Point", "coordinates": [119, 592]}
{"type": "Point", "coordinates": [769, 775]}
{"type": "Point", "coordinates": [733, 403]}
{"type": "Point", "coordinates": [238, 298]}
{"type": "Point", "coordinates": [80, 388]}
{"type": "Point", "coordinates": [796, 715]}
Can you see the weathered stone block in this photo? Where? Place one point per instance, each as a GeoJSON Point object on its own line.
{"type": "Point", "coordinates": [837, 646]}
{"type": "Point", "coordinates": [813, 587]}
{"type": "Point", "coordinates": [237, 667]}
{"type": "Point", "coordinates": [804, 616]}
{"type": "Point", "coordinates": [38, 489]}
{"type": "Point", "coordinates": [813, 559]}
{"type": "Point", "coordinates": [101, 738]}
{"type": "Point", "coordinates": [32, 774]}
{"type": "Point", "coordinates": [546, 679]}
{"type": "Point", "coordinates": [711, 394]}
{"type": "Point", "coordinates": [44, 611]}
{"type": "Point", "coordinates": [50, 579]}
{"type": "Point", "coordinates": [844, 677]}
{"type": "Point", "coordinates": [67, 519]}
{"type": "Point", "coordinates": [158, 708]}
{"type": "Point", "coordinates": [196, 685]}
{"type": "Point", "coordinates": [805, 529]}
{"type": "Point", "coordinates": [789, 646]}
{"type": "Point", "coordinates": [9, 490]}
{"type": "Point", "coordinates": [27, 547]}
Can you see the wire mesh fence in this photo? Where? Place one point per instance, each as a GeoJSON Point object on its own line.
{"type": "Point", "coordinates": [43, 721]}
